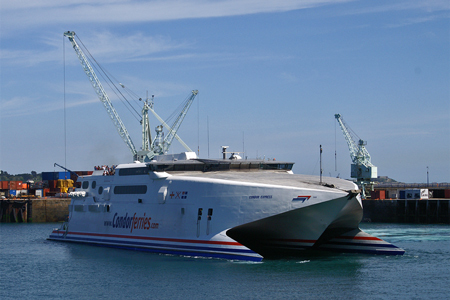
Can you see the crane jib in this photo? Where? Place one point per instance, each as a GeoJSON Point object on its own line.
{"type": "Point", "coordinates": [148, 150]}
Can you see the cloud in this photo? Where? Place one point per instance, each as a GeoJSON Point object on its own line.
{"type": "Point", "coordinates": [29, 13]}
{"type": "Point", "coordinates": [14, 107]}
{"type": "Point", "coordinates": [110, 47]}
{"type": "Point", "coordinates": [418, 20]}
{"type": "Point", "coordinates": [419, 5]}
{"type": "Point", "coordinates": [130, 47]}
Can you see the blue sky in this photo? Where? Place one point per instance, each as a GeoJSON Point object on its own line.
{"type": "Point", "coordinates": [270, 74]}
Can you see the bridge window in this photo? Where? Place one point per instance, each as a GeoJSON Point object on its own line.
{"type": "Point", "coordinates": [130, 189]}
{"type": "Point", "coordinates": [133, 171]}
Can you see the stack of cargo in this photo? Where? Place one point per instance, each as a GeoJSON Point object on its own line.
{"type": "Point", "coordinates": [64, 185]}
{"type": "Point", "coordinates": [378, 194]}
{"type": "Point", "coordinates": [51, 179]}
{"type": "Point", "coordinates": [414, 194]}
{"type": "Point", "coordinates": [12, 188]}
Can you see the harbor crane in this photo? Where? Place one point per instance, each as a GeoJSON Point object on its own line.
{"type": "Point", "coordinates": [362, 168]}
{"type": "Point", "coordinates": [159, 145]}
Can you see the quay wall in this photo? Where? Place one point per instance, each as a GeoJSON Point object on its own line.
{"type": "Point", "coordinates": [38, 210]}
{"type": "Point", "coordinates": [49, 210]}
{"type": "Point", "coordinates": [434, 211]}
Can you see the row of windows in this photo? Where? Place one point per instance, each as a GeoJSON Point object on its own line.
{"type": "Point", "coordinates": [133, 171]}
{"type": "Point", "coordinates": [130, 189]}
{"type": "Point", "coordinates": [121, 189]}
{"type": "Point", "coordinates": [205, 167]}
{"type": "Point", "coordinates": [221, 166]}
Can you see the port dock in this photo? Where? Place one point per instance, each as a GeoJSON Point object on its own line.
{"type": "Point", "coordinates": [416, 211]}
{"type": "Point", "coordinates": [388, 203]}
{"type": "Point", "coordinates": [39, 210]}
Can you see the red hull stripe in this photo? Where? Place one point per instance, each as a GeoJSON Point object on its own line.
{"type": "Point", "coordinates": [362, 238]}
{"type": "Point", "coordinates": [294, 241]}
{"type": "Point", "coordinates": [151, 238]}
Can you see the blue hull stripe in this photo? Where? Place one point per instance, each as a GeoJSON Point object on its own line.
{"type": "Point", "coordinates": [162, 248]}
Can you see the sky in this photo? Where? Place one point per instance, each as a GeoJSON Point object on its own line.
{"type": "Point", "coordinates": [271, 76]}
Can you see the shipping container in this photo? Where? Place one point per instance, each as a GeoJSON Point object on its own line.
{"type": "Point", "coordinates": [12, 192]}
{"type": "Point", "coordinates": [379, 194]}
{"type": "Point", "coordinates": [21, 192]}
{"type": "Point", "coordinates": [414, 194]}
{"type": "Point", "coordinates": [402, 195]}
{"type": "Point", "coordinates": [4, 185]}
{"type": "Point", "coordinates": [39, 193]}
{"type": "Point", "coordinates": [52, 184]}
{"type": "Point", "coordinates": [437, 193]}
{"type": "Point", "coordinates": [410, 194]}
{"type": "Point", "coordinates": [15, 185]}
{"type": "Point", "coordinates": [447, 194]}
{"type": "Point", "coordinates": [55, 175]}
{"type": "Point", "coordinates": [423, 193]}
{"type": "Point", "coordinates": [19, 185]}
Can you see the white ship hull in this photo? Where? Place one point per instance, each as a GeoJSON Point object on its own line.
{"type": "Point", "coordinates": [227, 214]}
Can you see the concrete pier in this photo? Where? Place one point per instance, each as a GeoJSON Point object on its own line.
{"type": "Point", "coordinates": [431, 211]}
{"type": "Point", "coordinates": [434, 211]}
{"type": "Point", "coordinates": [38, 210]}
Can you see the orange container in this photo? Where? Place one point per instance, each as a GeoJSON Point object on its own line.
{"type": "Point", "coordinates": [12, 185]}
{"type": "Point", "coordinates": [52, 184]}
{"type": "Point", "coordinates": [379, 194]}
{"type": "Point", "coordinates": [4, 185]}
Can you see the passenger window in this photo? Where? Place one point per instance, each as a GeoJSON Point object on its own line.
{"type": "Point", "coordinates": [94, 184]}
{"type": "Point", "coordinates": [85, 185]}
{"type": "Point", "coordinates": [100, 190]}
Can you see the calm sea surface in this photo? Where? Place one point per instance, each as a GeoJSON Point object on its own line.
{"type": "Point", "coordinates": [33, 268]}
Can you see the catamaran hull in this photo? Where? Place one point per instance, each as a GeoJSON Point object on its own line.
{"type": "Point", "coordinates": [234, 221]}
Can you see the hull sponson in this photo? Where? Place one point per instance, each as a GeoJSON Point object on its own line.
{"type": "Point", "coordinates": [203, 248]}
{"type": "Point", "coordinates": [344, 236]}
{"type": "Point", "coordinates": [292, 234]}
{"type": "Point", "coordinates": [358, 241]}
{"type": "Point", "coordinates": [289, 233]}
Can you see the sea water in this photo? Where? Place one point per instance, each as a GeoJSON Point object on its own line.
{"type": "Point", "coordinates": [31, 267]}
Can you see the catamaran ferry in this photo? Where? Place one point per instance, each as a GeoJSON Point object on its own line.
{"type": "Point", "coordinates": [225, 208]}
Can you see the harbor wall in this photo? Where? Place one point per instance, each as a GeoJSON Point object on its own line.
{"type": "Point", "coordinates": [434, 211]}
{"type": "Point", "coordinates": [34, 210]}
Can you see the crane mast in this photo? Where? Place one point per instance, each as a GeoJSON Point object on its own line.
{"type": "Point", "coordinates": [362, 168]}
{"type": "Point", "coordinates": [102, 94]}
{"type": "Point", "coordinates": [146, 135]}
{"type": "Point", "coordinates": [168, 128]}
{"type": "Point", "coordinates": [176, 124]}
{"type": "Point", "coordinates": [159, 145]}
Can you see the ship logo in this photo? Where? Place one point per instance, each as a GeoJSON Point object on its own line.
{"type": "Point", "coordinates": [301, 198]}
{"type": "Point", "coordinates": [178, 195]}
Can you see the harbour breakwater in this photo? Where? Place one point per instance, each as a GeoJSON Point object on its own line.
{"type": "Point", "coordinates": [434, 211]}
